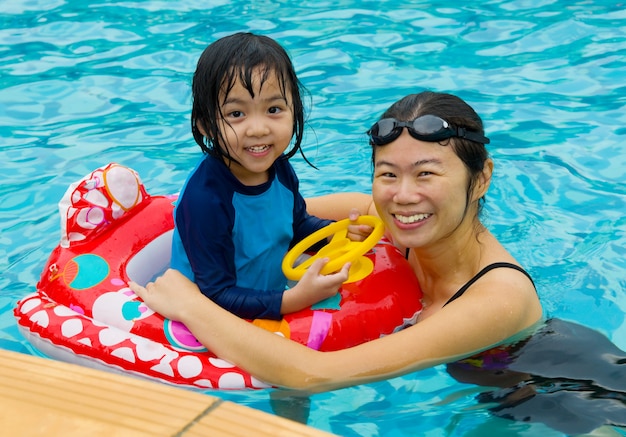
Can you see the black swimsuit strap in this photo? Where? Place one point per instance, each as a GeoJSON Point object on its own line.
{"type": "Point", "coordinates": [480, 274]}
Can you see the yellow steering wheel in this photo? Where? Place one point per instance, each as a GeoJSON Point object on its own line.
{"type": "Point", "coordinates": [339, 250]}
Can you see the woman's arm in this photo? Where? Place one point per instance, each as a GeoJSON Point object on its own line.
{"type": "Point", "coordinates": [338, 206]}
{"type": "Point", "coordinates": [484, 317]}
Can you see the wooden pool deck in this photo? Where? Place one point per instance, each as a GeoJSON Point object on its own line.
{"type": "Point", "coordinates": [45, 397]}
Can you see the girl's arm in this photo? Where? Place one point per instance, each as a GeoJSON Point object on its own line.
{"type": "Point", "coordinates": [497, 307]}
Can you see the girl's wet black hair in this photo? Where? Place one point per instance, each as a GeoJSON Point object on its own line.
{"type": "Point", "coordinates": [230, 60]}
{"type": "Point", "coordinates": [455, 111]}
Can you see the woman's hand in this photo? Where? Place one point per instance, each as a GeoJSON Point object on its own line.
{"type": "Point", "coordinates": [357, 232]}
{"type": "Point", "coordinates": [170, 294]}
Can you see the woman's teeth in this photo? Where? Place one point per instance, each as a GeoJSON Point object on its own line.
{"type": "Point", "coordinates": [411, 218]}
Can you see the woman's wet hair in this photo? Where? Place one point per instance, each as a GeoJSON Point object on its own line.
{"type": "Point", "coordinates": [231, 60]}
{"type": "Point", "coordinates": [456, 112]}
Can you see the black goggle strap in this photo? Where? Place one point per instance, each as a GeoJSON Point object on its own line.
{"type": "Point", "coordinates": [472, 136]}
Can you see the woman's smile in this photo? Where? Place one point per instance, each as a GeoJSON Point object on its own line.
{"type": "Point", "coordinates": [411, 219]}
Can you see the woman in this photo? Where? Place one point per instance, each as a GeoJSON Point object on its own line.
{"type": "Point", "coordinates": [431, 172]}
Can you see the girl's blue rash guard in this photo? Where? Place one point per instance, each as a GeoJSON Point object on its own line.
{"type": "Point", "coordinates": [230, 238]}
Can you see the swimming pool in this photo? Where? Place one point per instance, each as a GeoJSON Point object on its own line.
{"type": "Point", "coordinates": [87, 83]}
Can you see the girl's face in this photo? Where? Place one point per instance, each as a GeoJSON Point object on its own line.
{"type": "Point", "coordinates": [258, 129]}
{"type": "Point", "coordinates": [420, 191]}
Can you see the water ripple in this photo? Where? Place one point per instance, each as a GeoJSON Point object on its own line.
{"type": "Point", "coordinates": [86, 83]}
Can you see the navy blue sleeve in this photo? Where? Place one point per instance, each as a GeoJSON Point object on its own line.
{"type": "Point", "coordinates": [204, 220]}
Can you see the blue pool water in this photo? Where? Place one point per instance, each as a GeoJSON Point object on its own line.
{"type": "Point", "coordinates": [86, 83]}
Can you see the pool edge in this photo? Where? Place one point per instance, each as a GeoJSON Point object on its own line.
{"type": "Point", "coordinates": [42, 396]}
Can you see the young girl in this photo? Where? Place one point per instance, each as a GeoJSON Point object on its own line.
{"type": "Point", "coordinates": [240, 209]}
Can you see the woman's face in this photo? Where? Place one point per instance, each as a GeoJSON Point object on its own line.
{"type": "Point", "coordinates": [420, 191]}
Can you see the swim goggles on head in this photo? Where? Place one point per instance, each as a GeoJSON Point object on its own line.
{"type": "Point", "coordinates": [425, 128]}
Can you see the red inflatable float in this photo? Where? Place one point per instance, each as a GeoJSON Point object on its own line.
{"type": "Point", "coordinates": [114, 231]}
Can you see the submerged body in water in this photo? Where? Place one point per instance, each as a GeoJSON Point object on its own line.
{"type": "Point", "coordinates": [567, 376]}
